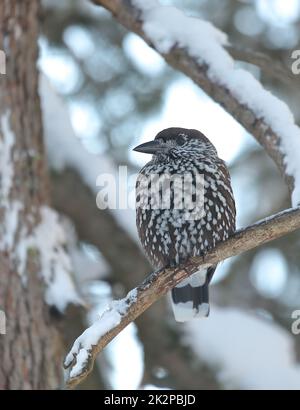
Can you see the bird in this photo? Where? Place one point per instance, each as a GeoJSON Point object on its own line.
{"type": "Point", "coordinates": [175, 223]}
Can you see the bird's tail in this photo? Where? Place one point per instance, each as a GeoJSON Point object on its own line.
{"type": "Point", "coordinates": [190, 299]}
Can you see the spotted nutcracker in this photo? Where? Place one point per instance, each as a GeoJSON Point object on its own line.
{"type": "Point", "coordinates": [184, 164]}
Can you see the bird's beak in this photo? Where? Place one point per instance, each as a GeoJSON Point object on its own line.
{"type": "Point", "coordinates": [151, 147]}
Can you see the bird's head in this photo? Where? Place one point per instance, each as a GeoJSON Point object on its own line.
{"type": "Point", "coordinates": [178, 143]}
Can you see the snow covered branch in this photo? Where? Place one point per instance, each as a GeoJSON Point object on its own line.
{"type": "Point", "coordinates": [198, 49]}
{"type": "Point", "coordinates": [120, 313]}
{"type": "Point", "coordinates": [128, 265]}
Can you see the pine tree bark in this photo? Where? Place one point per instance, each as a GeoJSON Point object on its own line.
{"type": "Point", "coordinates": [30, 350]}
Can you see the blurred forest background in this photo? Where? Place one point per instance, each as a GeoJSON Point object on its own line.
{"type": "Point", "coordinates": [103, 92]}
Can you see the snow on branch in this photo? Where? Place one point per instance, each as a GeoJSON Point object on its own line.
{"type": "Point", "coordinates": [120, 313]}
{"type": "Point", "coordinates": [198, 49]}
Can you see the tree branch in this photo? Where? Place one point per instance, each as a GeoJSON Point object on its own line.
{"type": "Point", "coordinates": [179, 58]}
{"type": "Point", "coordinates": [81, 358]}
{"type": "Point", "coordinates": [272, 68]}
{"type": "Point", "coordinates": [129, 265]}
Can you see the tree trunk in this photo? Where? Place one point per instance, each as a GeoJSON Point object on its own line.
{"type": "Point", "coordinates": [30, 349]}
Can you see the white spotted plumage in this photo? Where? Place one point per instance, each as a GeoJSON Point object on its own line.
{"type": "Point", "coordinates": [167, 235]}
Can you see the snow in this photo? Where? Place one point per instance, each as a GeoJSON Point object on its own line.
{"type": "Point", "coordinates": [11, 219]}
{"type": "Point", "coordinates": [10, 223]}
{"type": "Point", "coordinates": [123, 304]}
{"type": "Point", "coordinates": [91, 336]}
{"type": "Point", "coordinates": [10, 207]}
{"type": "Point", "coordinates": [56, 268]}
{"type": "Point", "coordinates": [48, 239]}
{"type": "Point", "coordinates": [6, 146]}
{"type": "Point", "coordinates": [82, 359]}
{"type": "Point", "coordinates": [250, 352]}
{"type": "Point", "coordinates": [167, 26]}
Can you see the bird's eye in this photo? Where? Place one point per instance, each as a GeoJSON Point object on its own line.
{"type": "Point", "coordinates": [180, 140]}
